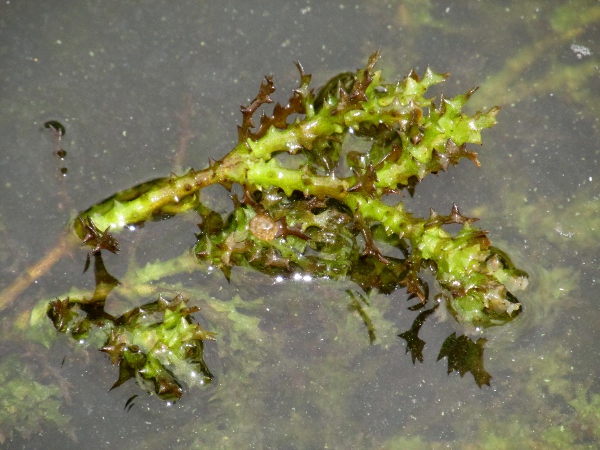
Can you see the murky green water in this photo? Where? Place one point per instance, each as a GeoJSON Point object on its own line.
{"type": "Point", "coordinates": [295, 370]}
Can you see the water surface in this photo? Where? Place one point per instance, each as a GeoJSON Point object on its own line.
{"type": "Point", "coordinates": [153, 88]}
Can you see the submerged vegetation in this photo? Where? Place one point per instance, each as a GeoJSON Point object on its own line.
{"type": "Point", "coordinates": [320, 183]}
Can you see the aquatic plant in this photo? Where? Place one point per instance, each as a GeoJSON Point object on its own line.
{"type": "Point", "coordinates": [157, 343]}
{"type": "Point", "coordinates": [319, 184]}
{"type": "Point", "coordinates": [27, 406]}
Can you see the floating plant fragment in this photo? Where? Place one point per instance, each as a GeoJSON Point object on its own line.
{"type": "Point", "coordinates": [157, 344]}
{"type": "Point", "coordinates": [316, 202]}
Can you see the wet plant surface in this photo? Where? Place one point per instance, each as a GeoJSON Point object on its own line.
{"type": "Point", "coordinates": [324, 320]}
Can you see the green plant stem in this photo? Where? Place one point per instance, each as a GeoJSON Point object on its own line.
{"type": "Point", "coordinates": [410, 137]}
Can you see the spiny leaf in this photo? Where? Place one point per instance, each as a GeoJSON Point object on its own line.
{"type": "Point", "coordinates": [464, 355]}
{"type": "Point", "coordinates": [414, 344]}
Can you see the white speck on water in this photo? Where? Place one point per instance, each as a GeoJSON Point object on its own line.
{"type": "Point", "coordinates": [580, 51]}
